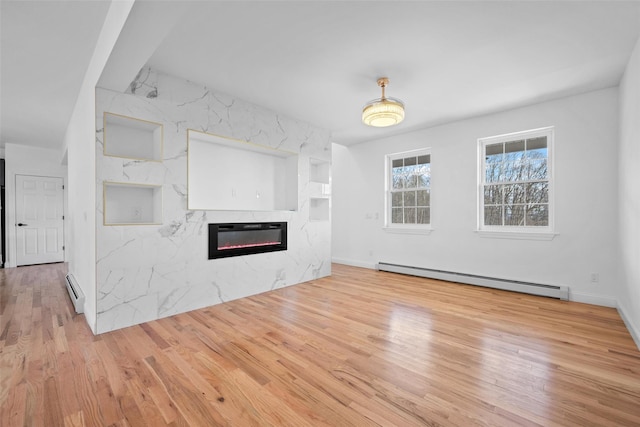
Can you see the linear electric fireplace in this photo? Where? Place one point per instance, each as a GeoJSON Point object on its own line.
{"type": "Point", "coordinates": [236, 239]}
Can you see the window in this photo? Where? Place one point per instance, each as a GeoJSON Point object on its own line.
{"type": "Point", "coordinates": [516, 182]}
{"type": "Point", "coordinates": [409, 189]}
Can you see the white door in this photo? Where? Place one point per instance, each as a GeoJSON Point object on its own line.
{"type": "Point", "coordinates": [39, 220]}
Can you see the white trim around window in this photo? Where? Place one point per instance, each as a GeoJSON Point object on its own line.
{"type": "Point", "coordinates": [516, 185]}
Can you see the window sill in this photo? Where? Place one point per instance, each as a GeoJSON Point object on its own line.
{"type": "Point", "coordinates": [402, 230]}
{"type": "Point", "coordinates": [517, 235]}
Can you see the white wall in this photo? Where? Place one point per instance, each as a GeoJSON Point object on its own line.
{"type": "Point", "coordinates": [586, 131]}
{"type": "Point", "coordinates": [26, 160]}
{"type": "Point", "coordinates": [629, 195]}
{"type": "Point", "coordinates": [80, 148]}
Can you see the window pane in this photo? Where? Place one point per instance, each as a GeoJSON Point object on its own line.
{"type": "Point", "coordinates": [537, 169]}
{"type": "Point", "coordinates": [396, 199]}
{"type": "Point", "coordinates": [409, 198]}
{"type": "Point", "coordinates": [396, 215]}
{"type": "Point", "coordinates": [424, 216]}
{"type": "Point", "coordinates": [423, 198]}
{"type": "Point", "coordinates": [397, 177]}
{"type": "Point", "coordinates": [424, 159]}
{"type": "Point", "coordinates": [538, 192]}
{"type": "Point", "coordinates": [423, 172]}
{"type": "Point", "coordinates": [494, 152]}
{"type": "Point", "coordinates": [493, 172]}
{"type": "Point", "coordinates": [492, 194]}
{"type": "Point", "coordinates": [493, 215]}
{"type": "Point", "coordinates": [514, 215]}
{"type": "Point", "coordinates": [410, 177]}
{"type": "Point", "coordinates": [514, 171]}
{"type": "Point", "coordinates": [537, 154]}
{"type": "Point", "coordinates": [410, 161]}
{"type": "Point", "coordinates": [409, 215]}
{"type": "Point", "coordinates": [424, 181]}
{"type": "Point", "coordinates": [493, 162]}
{"type": "Point", "coordinates": [537, 144]}
{"type": "Point", "coordinates": [514, 194]}
{"type": "Point", "coordinates": [514, 148]}
{"type": "Point", "coordinates": [397, 163]}
{"type": "Point", "coordinates": [538, 215]}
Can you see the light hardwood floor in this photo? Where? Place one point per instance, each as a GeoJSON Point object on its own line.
{"type": "Point", "coordinates": [361, 348]}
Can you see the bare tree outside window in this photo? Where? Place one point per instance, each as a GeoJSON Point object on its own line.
{"type": "Point", "coordinates": [516, 183]}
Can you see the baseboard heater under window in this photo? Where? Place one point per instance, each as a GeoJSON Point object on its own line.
{"type": "Point", "coordinates": [77, 297]}
{"type": "Point", "coordinates": [560, 292]}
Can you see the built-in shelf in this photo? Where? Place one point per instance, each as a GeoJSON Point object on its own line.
{"type": "Point", "coordinates": [233, 175]}
{"type": "Point", "coordinates": [132, 204]}
{"type": "Point", "coordinates": [319, 190]}
{"type": "Point", "coordinates": [132, 138]}
{"type": "Point", "coordinates": [319, 171]}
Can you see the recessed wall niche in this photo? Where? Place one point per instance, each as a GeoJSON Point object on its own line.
{"type": "Point", "coordinates": [319, 190]}
{"type": "Point", "coordinates": [132, 204]}
{"type": "Point", "coordinates": [229, 174]}
{"type": "Point", "coordinates": [132, 138]}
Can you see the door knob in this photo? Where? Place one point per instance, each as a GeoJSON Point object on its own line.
{"type": "Point", "coordinates": [22, 225]}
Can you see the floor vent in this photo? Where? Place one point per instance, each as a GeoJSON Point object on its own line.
{"type": "Point", "coordinates": [77, 297]}
{"type": "Point", "coordinates": [560, 292]}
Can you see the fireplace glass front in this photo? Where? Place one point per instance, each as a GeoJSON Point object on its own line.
{"type": "Point", "coordinates": [236, 239]}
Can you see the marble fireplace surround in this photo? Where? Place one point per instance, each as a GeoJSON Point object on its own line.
{"type": "Point", "coordinates": [146, 272]}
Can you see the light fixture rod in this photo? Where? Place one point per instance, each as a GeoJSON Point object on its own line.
{"type": "Point", "coordinates": [383, 82]}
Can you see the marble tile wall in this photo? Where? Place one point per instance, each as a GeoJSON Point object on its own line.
{"type": "Point", "coordinates": [146, 272]}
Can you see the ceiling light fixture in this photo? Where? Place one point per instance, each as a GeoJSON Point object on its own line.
{"type": "Point", "coordinates": [383, 111]}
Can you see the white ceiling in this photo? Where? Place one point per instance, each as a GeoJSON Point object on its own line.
{"type": "Point", "coordinates": [318, 61]}
{"type": "Point", "coordinates": [45, 48]}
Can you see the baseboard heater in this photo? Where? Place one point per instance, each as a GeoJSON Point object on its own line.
{"type": "Point", "coordinates": [560, 292]}
{"type": "Point", "coordinates": [77, 297]}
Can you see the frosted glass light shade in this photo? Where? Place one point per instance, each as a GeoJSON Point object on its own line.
{"type": "Point", "coordinates": [383, 112]}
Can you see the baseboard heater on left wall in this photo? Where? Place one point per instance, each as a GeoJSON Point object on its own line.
{"type": "Point", "coordinates": [560, 292]}
{"type": "Point", "coordinates": [77, 297]}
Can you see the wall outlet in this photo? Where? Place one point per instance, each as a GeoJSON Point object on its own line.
{"type": "Point", "coordinates": [595, 277]}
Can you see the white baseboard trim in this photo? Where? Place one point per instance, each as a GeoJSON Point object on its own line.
{"type": "Point", "coordinates": [593, 299]}
{"type": "Point", "coordinates": [354, 263]}
{"type": "Point", "coordinates": [635, 333]}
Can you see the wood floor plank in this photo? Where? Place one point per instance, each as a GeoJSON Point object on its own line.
{"type": "Point", "coordinates": [52, 403]}
{"type": "Point", "coordinates": [359, 348]}
{"type": "Point", "coordinates": [13, 408]}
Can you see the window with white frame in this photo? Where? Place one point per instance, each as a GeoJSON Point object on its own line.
{"type": "Point", "coordinates": [516, 182]}
{"type": "Point", "coordinates": [409, 189]}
